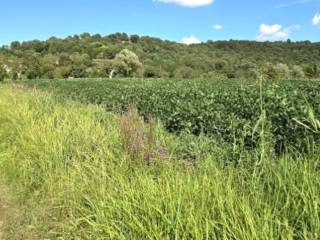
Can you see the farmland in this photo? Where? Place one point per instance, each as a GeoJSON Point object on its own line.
{"type": "Point", "coordinates": [160, 120]}
{"type": "Point", "coordinates": [83, 173]}
{"type": "Point", "coordinates": [230, 111]}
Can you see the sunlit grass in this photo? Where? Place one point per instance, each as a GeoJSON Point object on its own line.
{"type": "Point", "coordinates": [67, 161]}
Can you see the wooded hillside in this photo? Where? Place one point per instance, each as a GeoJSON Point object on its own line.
{"type": "Point", "coordinates": [96, 56]}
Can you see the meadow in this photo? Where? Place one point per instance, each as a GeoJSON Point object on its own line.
{"type": "Point", "coordinates": [206, 160]}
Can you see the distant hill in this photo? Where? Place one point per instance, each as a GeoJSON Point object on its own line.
{"type": "Point", "coordinates": [96, 56]}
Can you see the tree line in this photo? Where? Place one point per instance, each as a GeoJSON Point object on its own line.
{"type": "Point", "coordinates": [121, 55]}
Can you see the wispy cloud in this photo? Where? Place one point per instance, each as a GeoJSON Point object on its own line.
{"type": "Point", "coordinates": [188, 3]}
{"type": "Point", "coordinates": [217, 27]}
{"type": "Point", "coordinates": [292, 3]}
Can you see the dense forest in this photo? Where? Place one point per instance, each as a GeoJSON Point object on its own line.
{"type": "Point", "coordinates": [121, 55]}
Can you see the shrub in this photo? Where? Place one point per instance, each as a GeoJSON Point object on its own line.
{"type": "Point", "coordinates": [297, 72]}
{"type": "Point", "coordinates": [3, 73]}
{"type": "Point", "coordinates": [283, 71]}
{"type": "Point", "coordinates": [184, 72]}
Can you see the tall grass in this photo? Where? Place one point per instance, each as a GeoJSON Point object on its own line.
{"type": "Point", "coordinates": [68, 161]}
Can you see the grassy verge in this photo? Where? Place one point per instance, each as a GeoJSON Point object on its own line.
{"type": "Point", "coordinates": [69, 163]}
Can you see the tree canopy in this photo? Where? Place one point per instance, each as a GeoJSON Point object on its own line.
{"type": "Point", "coordinates": [88, 55]}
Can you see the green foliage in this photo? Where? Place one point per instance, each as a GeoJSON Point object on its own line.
{"type": "Point", "coordinates": [225, 110]}
{"type": "Point", "coordinates": [282, 71]}
{"type": "Point", "coordinates": [66, 162]}
{"type": "Point", "coordinates": [184, 72]}
{"type": "Point", "coordinates": [312, 71]}
{"type": "Point", "coordinates": [215, 76]}
{"type": "Point", "coordinates": [3, 73]}
{"type": "Point", "coordinates": [269, 72]}
{"type": "Point", "coordinates": [234, 59]}
{"type": "Point", "coordinates": [297, 72]}
{"type": "Point", "coordinates": [127, 63]}
{"type": "Point", "coordinates": [154, 72]}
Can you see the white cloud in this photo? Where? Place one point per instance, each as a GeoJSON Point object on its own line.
{"type": "Point", "coordinates": [190, 40]}
{"type": "Point", "coordinates": [217, 27]}
{"type": "Point", "coordinates": [316, 20]}
{"type": "Point", "coordinates": [292, 3]}
{"type": "Point", "coordinates": [188, 3]}
{"type": "Point", "coordinates": [275, 32]}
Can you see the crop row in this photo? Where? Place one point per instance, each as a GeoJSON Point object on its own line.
{"type": "Point", "coordinates": [232, 111]}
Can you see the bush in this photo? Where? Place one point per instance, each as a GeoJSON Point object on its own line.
{"type": "Point", "coordinates": [184, 72]}
{"type": "Point", "coordinates": [153, 72]}
{"type": "Point", "coordinates": [3, 73]}
{"type": "Point", "coordinates": [283, 71]}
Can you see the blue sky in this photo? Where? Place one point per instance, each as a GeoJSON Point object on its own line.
{"type": "Point", "coordinates": [179, 20]}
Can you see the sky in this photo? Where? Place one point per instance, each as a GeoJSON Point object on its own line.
{"type": "Point", "coordinates": [187, 21]}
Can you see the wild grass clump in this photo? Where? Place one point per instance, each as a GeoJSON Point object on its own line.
{"type": "Point", "coordinates": [78, 170]}
{"type": "Point", "coordinates": [139, 142]}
